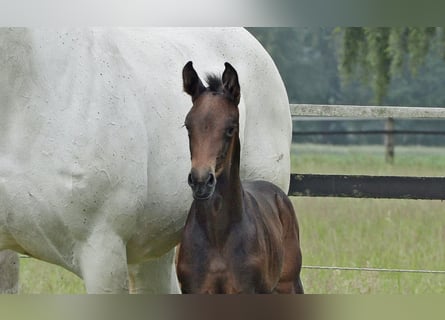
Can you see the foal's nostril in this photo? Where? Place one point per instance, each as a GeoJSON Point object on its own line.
{"type": "Point", "coordinates": [190, 180]}
{"type": "Point", "coordinates": [211, 180]}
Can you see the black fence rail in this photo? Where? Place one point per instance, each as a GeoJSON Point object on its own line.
{"type": "Point", "coordinates": [341, 132]}
{"type": "Point", "coordinates": [363, 186]}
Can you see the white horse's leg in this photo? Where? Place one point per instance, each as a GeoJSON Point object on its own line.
{"type": "Point", "coordinates": [155, 276]}
{"type": "Point", "coordinates": [9, 271]}
{"type": "Point", "coordinates": [103, 262]}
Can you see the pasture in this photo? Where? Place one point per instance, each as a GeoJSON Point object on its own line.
{"type": "Point", "coordinates": [401, 234]}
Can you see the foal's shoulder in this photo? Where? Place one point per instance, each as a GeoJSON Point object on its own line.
{"type": "Point", "coordinates": [261, 190]}
{"type": "Point", "coordinates": [268, 195]}
{"type": "Point", "coordinates": [262, 186]}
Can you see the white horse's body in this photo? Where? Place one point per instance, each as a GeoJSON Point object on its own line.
{"type": "Point", "coordinates": [93, 155]}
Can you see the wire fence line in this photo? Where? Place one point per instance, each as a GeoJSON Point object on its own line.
{"type": "Point", "coordinates": [332, 268]}
{"type": "Point", "coordinates": [374, 269]}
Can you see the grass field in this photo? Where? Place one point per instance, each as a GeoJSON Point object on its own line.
{"type": "Point", "coordinates": [402, 234]}
{"type": "Point", "coordinates": [40, 277]}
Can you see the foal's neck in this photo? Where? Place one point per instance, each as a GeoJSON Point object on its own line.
{"type": "Point", "coordinates": [225, 207]}
{"type": "Point", "coordinates": [228, 184]}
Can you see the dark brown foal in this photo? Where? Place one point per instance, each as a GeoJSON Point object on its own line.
{"type": "Point", "coordinates": [238, 238]}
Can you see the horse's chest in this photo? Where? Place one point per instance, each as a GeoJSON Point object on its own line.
{"type": "Point", "coordinates": [218, 265]}
{"type": "Point", "coordinates": [222, 276]}
{"type": "Point", "coordinates": [230, 274]}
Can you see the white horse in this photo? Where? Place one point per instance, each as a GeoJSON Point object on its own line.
{"type": "Point", "coordinates": [93, 154]}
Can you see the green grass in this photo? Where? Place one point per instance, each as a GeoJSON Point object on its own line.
{"type": "Point", "coordinates": [40, 277]}
{"type": "Point", "coordinates": [402, 234]}
{"type": "Point", "coordinates": [367, 160]}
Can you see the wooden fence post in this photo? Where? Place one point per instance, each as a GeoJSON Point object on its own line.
{"type": "Point", "coordinates": [389, 140]}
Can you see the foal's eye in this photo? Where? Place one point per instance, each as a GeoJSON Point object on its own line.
{"type": "Point", "coordinates": [230, 131]}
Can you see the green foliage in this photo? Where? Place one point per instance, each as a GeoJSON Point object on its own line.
{"type": "Point", "coordinates": [361, 66]}
{"type": "Point", "coordinates": [357, 65]}
{"type": "Point", "coordinates": [380, 53]}
{"type": "Point", "coordinates": [306, 59]}
{"type": "Point", "coordinates": [396, 48]}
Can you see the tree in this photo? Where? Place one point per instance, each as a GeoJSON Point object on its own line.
{"type": "Point", "coordinates": [379, 54]}
{"type": "Point", "coordinates": [360, 66]}
{"type": "Point", "coordinates": [307, 59]}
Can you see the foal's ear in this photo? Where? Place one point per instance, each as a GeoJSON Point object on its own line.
{"type": "Point", "coordinates": [230, 82]}
{"type": "Point", "coordinates": [191, 82]}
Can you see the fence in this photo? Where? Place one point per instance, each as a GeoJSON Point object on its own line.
{"type": "Point", "coordinates": [316, 110]}
{"type": "Point", "coordinates": [376, 113]}
{"type": "Point", "coordinates": [392, 187]}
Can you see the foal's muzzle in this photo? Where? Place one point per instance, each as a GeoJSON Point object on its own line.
{"type": "Point", "coordinates": [202, 184]}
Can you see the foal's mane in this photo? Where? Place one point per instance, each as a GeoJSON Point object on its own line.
{"type": "Point", "coordinates": [215, 83]}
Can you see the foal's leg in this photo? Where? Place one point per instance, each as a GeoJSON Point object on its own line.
{"type": "Point", "coordinates": [155, 276]}
{"type": "Point", "coordinates": [103, 264]}
{"type": "Point", "coordinates": [290, 281]}
{"type": "Point", "coordinates": [298, 285]}
{"type": "Point", "coordinates": [290, 275]}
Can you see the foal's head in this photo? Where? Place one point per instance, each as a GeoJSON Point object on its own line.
{"type": "Point", "coordinates": [212, 126]}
